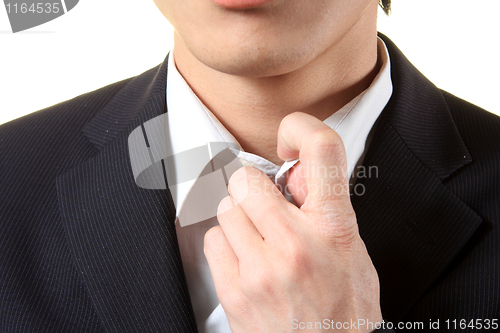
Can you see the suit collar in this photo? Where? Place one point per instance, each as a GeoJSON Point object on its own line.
{"type": "Point", "coordinates": [419, 113]}
{"type": "Point", "coordinates": [142, 99]}
{"type": "Point", "coordinates": [412, 224]}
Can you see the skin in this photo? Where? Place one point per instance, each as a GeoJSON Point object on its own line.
{"type": "Point", "coordinates": [271, 74]}
{"type": "Point", "coordinates": [280, 263]}
{"type": "Point", "coordinates": [252, 67]}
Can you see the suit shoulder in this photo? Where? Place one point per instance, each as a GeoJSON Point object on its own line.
{"type": "Point", "coordinates": [58, 119]}
{"type": "Point", "coordinates": [34, 148]}
{"type": "Point", "coordinates": [480, 132]}
{"type": "Point", "coordinates": [472, 119]}
{"type": "Point", "coordinates": [34, 258]}
{"type": "Point", "coordinates": [479, 128]}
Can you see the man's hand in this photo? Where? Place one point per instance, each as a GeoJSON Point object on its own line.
{"type": "Point", "coordinates": [272, 262]}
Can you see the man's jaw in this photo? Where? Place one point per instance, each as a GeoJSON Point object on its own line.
{"type": "Point", "coordinates": [241, 4]}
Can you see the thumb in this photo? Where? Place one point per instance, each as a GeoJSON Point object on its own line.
{"type": "Point", "coordinates": [322, 165]}
{"type": "Point", "coordinates": [296, 184]}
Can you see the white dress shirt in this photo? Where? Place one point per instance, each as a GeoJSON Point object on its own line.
{"type": "Point", "coordinates": [190, 124]}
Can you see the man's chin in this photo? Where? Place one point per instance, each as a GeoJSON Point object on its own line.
{"type": "Point", "coordinates": [247, 65]}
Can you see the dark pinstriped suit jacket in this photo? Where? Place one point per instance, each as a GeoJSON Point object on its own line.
{"type": "Point", "coordinates": [83, 249]}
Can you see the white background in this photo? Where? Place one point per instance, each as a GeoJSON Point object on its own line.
{"type": "Point", "coordinates": [455, 43]}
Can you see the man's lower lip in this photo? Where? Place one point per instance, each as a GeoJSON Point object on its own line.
{"type": "Point", "coordinates": [241, 4]}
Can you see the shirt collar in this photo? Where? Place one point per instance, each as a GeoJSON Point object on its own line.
{"type": "Point", "coordinates": [191, 124]}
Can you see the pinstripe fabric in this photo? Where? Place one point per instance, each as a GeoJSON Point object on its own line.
{"type": "Point", "coordinates": [430, 220]}
{"type": "Point", "coordinates": [123, 237]}
{"type": "Point", "coordinates": [471, 285]}
{"type": "Point", "coordinates": [40, 288]}
{"type": "Point", "coordinates": [83, 249]}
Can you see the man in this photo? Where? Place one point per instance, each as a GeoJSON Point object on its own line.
{"type": "Point", "coordinates": [83, 248]}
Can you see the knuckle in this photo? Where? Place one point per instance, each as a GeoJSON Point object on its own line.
{"type": "Point", "coordinates": [212, 238]}
{"type": "Point", "coordinates": [238, 177]}
{"type": "Point", "coordinates": [270, 212]}
{"type": "Point", "coordinates": [340, 229]}
{"type": "Point", "coordinates": [225, 205]}
{"type": "Point", "coordinates": [233, 299]}
{"type": "Point", "coordinates": [325, 139]}
{"type": "Point", "coordinates": [243, 176]}
{"type": "Point", "coordinates": [259, 282]}
{"type": "Point", "coordinates": [296, 257]}
{"type": "Point", "coordinates": [289, 119]}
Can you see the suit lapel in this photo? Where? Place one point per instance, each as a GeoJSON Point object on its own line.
{"type": "Point", "coordinates": [123, 237]}
{"type": "Point", "coordinates": [412, 224]}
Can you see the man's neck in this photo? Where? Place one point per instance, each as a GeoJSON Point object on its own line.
{"type": "Point", "coordinates": [251, 108]}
